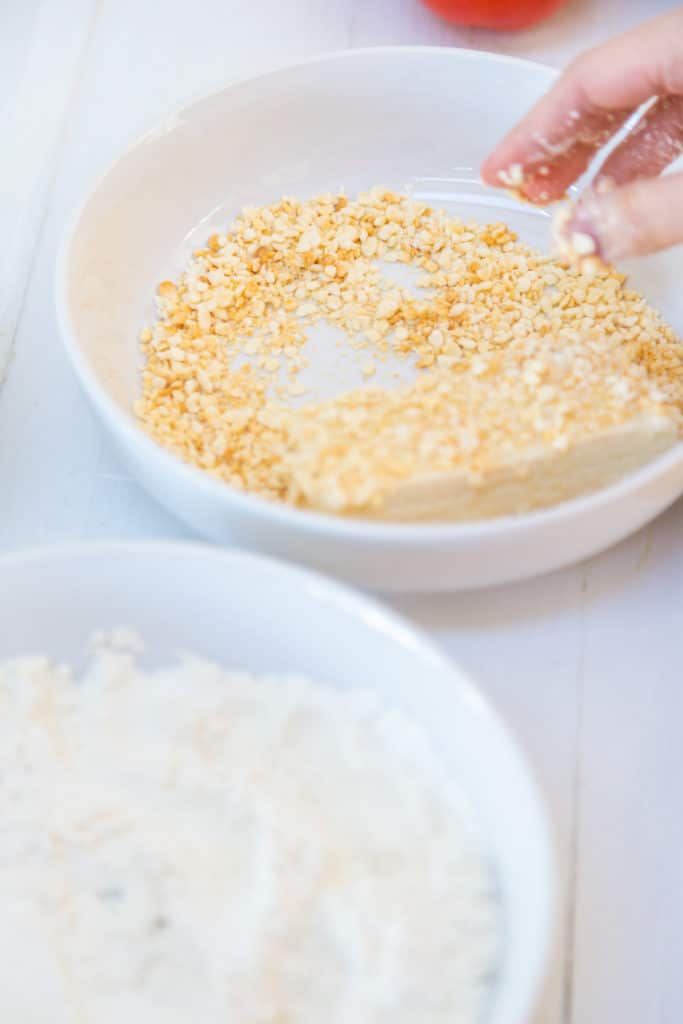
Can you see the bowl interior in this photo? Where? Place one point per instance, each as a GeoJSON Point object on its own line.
{"type": "Point", "coordinates": [260, 615]}
{"type": "Point", "coordinates": [419, 120]}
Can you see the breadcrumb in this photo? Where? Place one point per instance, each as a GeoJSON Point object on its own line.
{"type": "Point", "coordinates": [513, 350]}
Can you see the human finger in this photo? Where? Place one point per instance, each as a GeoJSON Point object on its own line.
{"type": "Point", "coordinates": [636, 219]}
{"type": "Point", "coordinates": [590, 102]}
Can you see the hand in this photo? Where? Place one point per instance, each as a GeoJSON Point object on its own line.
{"type": "Point", "coordinates": [629, 210]}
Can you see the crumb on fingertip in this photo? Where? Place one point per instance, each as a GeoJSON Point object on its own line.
{"type": "Point", "coordinates": [512, 177]}
{"type": "Point", "coordinates": [578, 249]}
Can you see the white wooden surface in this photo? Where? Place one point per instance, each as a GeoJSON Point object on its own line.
{"type": "Point", "coordinates": [585, 665]}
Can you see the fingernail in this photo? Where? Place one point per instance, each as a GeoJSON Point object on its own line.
{"type": "Point", "coordinates": [599, 216]}
{"type": "Point", "coordinates": [575, 242]}
{"type": "Point", "coordinates": [594, 228]}
{"type": "Point", "coordinates": [584, 229]}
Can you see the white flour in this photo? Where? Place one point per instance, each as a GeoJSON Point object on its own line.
{"type": "Point", "coordinates": [196, 844]}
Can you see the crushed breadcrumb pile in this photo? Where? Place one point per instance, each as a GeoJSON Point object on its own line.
{"type": "Point", "coordinates": [515, 351]}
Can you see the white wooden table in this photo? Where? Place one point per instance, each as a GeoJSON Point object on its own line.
{"type": "Point", "coordinates": [585, 665]}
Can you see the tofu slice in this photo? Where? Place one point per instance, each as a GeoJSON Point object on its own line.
{"type": "Point", "coordinates": [537, 479]}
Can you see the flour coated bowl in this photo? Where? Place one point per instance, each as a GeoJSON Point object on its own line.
{"type": "Point", "coordinates": [259, 615]}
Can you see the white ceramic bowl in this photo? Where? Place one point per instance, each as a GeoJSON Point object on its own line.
{"type": "Point", "coordinates": [262, 615]}
{"type": "Point", "coordinates": [417, 118]}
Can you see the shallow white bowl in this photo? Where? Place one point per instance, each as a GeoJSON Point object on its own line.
{"type": "Point", "coordinates": [262, 615]}
{"type": "Point", "coordinates": [420, 119]}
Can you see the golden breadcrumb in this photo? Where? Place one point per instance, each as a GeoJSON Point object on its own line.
{"type": "Point", "coordinates": [514, 350]}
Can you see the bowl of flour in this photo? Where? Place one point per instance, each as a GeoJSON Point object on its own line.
{"type": "Point", "coordinates": [232, 789]}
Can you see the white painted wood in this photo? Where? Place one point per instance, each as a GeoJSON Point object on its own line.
{"type": "Point", "coordinates": [522, 643]}
{"type": "Point", "coordinates": [40, 52]}
{"type": "Point", "coordinates": [630, 840]}
{"type": "Point", "coordinates": [584, 665]}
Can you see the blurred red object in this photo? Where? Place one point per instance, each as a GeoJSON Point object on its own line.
{"type": "Point", "coordinates": [501, 14]}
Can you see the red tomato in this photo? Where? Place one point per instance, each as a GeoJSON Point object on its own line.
{"type": "Point", "coordinates": [503, 14]}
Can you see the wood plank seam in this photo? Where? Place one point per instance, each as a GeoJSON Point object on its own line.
{"type": "Point", "coordinates": [573, 851]}
{"type": "Point", "coordinates": [38, 127]}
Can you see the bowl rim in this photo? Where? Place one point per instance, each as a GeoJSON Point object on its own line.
{"type": "Point", "coordinates": [290, 517]}
{"type": "Point", "coordinates": [399, 630]}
